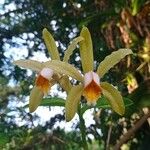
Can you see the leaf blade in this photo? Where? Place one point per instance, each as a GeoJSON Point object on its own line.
{"type": "Point", "coordinates": [54, 101]}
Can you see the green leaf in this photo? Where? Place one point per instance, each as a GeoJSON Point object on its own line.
{"type": "Point", "coordinates": [103, 103]}
{"type": "Point", "coordinates": [4, 138]}
{"type": "Point", "coordinates": [54, 101]}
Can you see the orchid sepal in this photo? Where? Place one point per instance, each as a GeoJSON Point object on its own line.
{"type": "Point", "coordinates": [30, 64]}
{"type": "Point", "coordinates": [50, 44]}
{"type": "Point", "coordinates": [71, 48]}
{"type": "Point", "coordinates": [72, 101]}
{"type": "Point", "coordinates": [114, 98]}
{"type": "Point", "coordinates": [36, 96]}
{"type": "Point", "coordinates": [65, 83]}
{"type": "Point", "coordinates": [64, 68]}
{"type": "Point", "coordinates": [86, 50]}
{"type": "Point", "coordinates": [112, 60]}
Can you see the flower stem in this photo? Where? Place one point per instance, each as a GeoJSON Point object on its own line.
{"type": "Point", "coordinates": [82, 129]}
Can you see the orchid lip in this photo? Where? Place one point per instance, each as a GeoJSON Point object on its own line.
{"type": "Point", "coordinates": [43, 84]}
{"type": "Point", "coordinates": [92, 89]}
{"type": "Point", "coordinates": [43, 80]}
{"type": "Point", "coordinates": [89, 103]}
{"type": "Point", "coordinates": [88, 77]}
{"type": "Point", "coordinates": [47, 73]}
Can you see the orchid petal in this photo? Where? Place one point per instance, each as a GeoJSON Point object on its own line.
{"type": "Point", "coordinates": [114, 97]}
{"type": "Point", "coordinates": [86, 50]}
{"type": "Point", "coordinates": [71, 48]}
{"type": "Point", "coordinates": [30, 64]}
{"type": "Point", "coordinates": [112, 60]}
{"type": "Point", "coordinates": [64, 68]}
{"type": "Point", "coordinates": [50, 44]}
{"type": "Point", "coordinates": [65, 83]}
{"type": "Point", "coordinates": [72, 101]}
{"type": "Point", "coordinates": [36, 96]}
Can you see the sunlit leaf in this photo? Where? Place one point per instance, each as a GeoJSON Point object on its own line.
{"type": "Point", "coordinates": [72, 101]}
{"type": "Point", "coordinates": [64, 68]}
{"type": "Point", "coordinates": [71, 48]}
{"type": "Point", "coordinates": [86, 50]}
{"type": "Point", "coordinates": [50, 44]}
{"type": "Point", "coordinates": [114, 97]}
{"type": "Point", "coordinates": [112, 60]}
{"type": "Point", "coordinates": [29, 64]}
{"type": "Point", "coordinates": [35, 98]}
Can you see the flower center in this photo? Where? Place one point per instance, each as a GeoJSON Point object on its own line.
{"type": "Point", "coordinates": [92, 89]}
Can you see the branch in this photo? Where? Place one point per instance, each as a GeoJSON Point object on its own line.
{"type": "Point", "coordinates": [131, 131]}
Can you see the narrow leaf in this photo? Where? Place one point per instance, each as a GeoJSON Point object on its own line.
{"type": "Point", "coordinates": [36, 96]}
{"type": "Point", "coordinates": [29, 64]}
{"type": "Point", "coordinates": [64, 68]}
{"type": "Point", "coordinates": [71, 48]}
{"type": "Point", "coordinates": [112, 60]}
{"type": "Point", "coordinates": [54, 101]}
{"type": "Point", "coordinates": [50, 44]}
{"type": "Point", "coordinates": [86, 50]}
{"type": "Point", "coordinates": [72, 101]}
{"type": "Point", "coordinates": [114, 98]}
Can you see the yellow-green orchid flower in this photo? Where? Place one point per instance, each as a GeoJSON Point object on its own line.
{"type": "Point", "coordinates": [47, 77]}
{"type": "Point", "coordinates": [91, 87]}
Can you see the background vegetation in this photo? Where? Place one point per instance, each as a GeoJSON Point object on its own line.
{"type": "Point", "coordinates": [113, 25]}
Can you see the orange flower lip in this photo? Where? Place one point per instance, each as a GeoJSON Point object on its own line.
{"type": "Point", "coordinates": [92, 92]}
{"type": "Point", "coordinates": [43, 80]}
{"type": "Point", "coordinates": [42, 83]}
{"type": "Point", "coordinates": [92, 89]}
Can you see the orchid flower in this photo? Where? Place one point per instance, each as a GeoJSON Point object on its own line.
{"type": "Point", "coordinates": [90, 86]}
{"type": "Point", "coordinates": [47, 77]}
